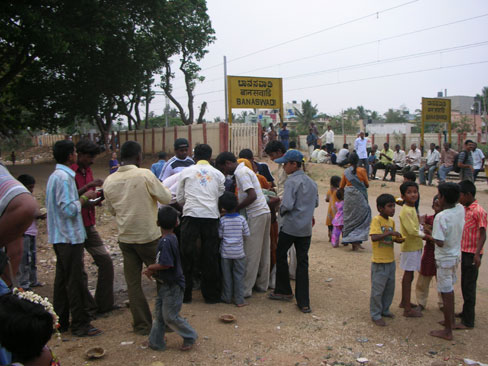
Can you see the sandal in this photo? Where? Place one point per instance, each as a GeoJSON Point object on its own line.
{"type": "Point", "coordinates": [186, 347]}
{"type": "Point", "coordinates": [281, 297]}
{"type": "Point", "coordinates": [305, 309]}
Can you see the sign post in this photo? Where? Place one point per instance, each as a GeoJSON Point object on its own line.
{"type": "Point", "coordinates": [435, 110]}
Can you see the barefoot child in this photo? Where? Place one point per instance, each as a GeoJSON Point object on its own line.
{"type": "Point", "coordinates": [170, 285]}
{"type": "Point", "coordinates": [427, 265]}
{"type": "Point", "coordinates": [332, 199]}
{"type": "Point", "coordinates": [474, 236]}
{"type": "Point", "coordinates": [383, 234]}
{"type": "Point", "coordinates": [338, 221]}
{"type": "Point", "coordinates": [447, 233]}
{"type": "Point", "coordinates": [232, 230]}
{"type": "Point", "coordinates": [411, 254]}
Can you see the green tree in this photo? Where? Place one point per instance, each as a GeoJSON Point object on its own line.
{"type": "Point", "coordinates": [462, 126]}
{"type": "Point", "coordinates": [306, 116]}
{"type": "Point", "coordinates": [395, 116]}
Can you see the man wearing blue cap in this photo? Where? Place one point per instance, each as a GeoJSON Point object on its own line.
{"type": "Point", "coordinates": [300, 199]}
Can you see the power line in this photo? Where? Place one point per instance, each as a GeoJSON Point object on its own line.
{"type": "Point", "coordinates": [390, 75]}
{"type": "Point", "coordinates": [365, 43]}
{"type": "Point", "coordinates": [392, 59]}
{"type": "Point", "coordinates": [376, 14]}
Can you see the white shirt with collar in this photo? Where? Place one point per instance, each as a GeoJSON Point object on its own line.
{"type": "Point", "coordinates": [414, 157]}
{"type": "Point", "coordinates": [399, 158]}
{"type": "Point", "coordinates": [478, 157]}
{"type": "Point", "coordinates": [360, 147]}
{"type": "Point", "coordinates": [246, 179]}
{"type": "Point", "coordinates": [433, 157]}
{"type": "Point", "coordinates": [328, 136]}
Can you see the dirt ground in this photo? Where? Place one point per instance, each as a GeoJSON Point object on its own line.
{"type": "Point", "coordinates": [337, 332]}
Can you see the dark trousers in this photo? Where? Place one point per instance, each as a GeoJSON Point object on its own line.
{"type": "Point", "coordinates": [104, 294]}
{"type": "Point", "coordinates": [380, 165]}
{"type": "Point", "coordinates": [469, 276]}
{"type": "Point", "coordinates": [207, 230]}
{"type": "Point", "coordinates": [392, 169]}
{"type": "Point", "coordinates": [329, 147]}
{"type": "Point", "coordinates": [365, 164]}
{"type": "Point", "coordinates": [69, 287]}
{"type": "Point", "coordinates": [302, 245]}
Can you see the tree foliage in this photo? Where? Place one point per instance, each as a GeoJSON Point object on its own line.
{"type": "Point", "coordinates": [61, 60]}
{"type": "Point", "coordinates": [306, 115]}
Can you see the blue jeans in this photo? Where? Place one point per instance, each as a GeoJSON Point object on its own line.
{"type": "Point", "coordinates": [443, 172]}
{"type": "Point", "coordinates": [382, 289]}
{"type": "Point", "coordinates": [167, 314]}
{"type": "Point", "coordinates": [422, 170]}
{"type": "Point", "coordinates": [233, 271]}
{"type": "Point", "coordinates": [27, 275]}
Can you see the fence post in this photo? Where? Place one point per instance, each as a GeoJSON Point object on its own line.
{"type": "Point", "coordinates": [388, 138]}
{"type": "Point", "coordinates": [344, 139]}
{"type": "Point", "coordinates": [479, 137]}
{"type": "Point", "coordinates": [152, 142]}
{"type": "Point", "coordinates": [189, 138]}
{"type": "Point", "coordinates": [404, 141]}
{"type": "Point", "coordinates": [372, 139]}
{"type": "Point", "coordinates": [224, 136]}
{"type": "Point", "coordinates": [176, 132]}
{"type": "Point", "coordinates": [260, 140]}
{"type": "Point", "coordinates": [204, 126]}
{"type": "Point", "coordinates": [144, 141]}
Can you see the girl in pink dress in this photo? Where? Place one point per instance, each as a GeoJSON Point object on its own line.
{"type": "Point", "coordinates": [338, 221]}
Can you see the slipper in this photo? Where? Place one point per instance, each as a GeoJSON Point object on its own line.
{"type": "Point", "coordinates": [305, 309]}
{"type": "Point", "coordinates": [274, 296]}
{"type": "Point", "coordinates": [186, 347]}
{"type": "Point", "coordinates": [90, 332]}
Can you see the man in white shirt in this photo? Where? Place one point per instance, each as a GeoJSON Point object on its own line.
{"type": "Point", "coordinates": [199, 189]}
{"type": "Point", "coordinates": [328, 137]}
{"type": "Point", "coordinates": [413, 159]}
{"type": "Point", "coordinates": [343, 155]}
{"type": "Point", "coordinates": [478, 161]}
{"type": "Point", "coordinates": [433, 157]}
{"type": "Point", "coordinates": [398, 162]}
{"type": "Point", "coordinates": [257, 245]}
{"type": "Point", "coordinates": [360, 147]}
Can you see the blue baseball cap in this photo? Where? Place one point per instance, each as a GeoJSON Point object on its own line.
{"type": "Point", "coordinates": [291, 155]}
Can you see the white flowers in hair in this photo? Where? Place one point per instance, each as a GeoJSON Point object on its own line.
{"type": "Point", "coordinates": [36, 299]}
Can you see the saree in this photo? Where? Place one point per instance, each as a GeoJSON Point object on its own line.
{"type": "Point", "coordinates": [357, 213]}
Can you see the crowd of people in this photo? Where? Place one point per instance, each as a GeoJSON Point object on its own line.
{"type": "Point", "coordinates": [230, 229]}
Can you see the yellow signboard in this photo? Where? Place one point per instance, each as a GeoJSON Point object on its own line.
{"type": "Point", "coordinates": [255, 92]}
{"type": "Point", "coordinates": [436, 110]}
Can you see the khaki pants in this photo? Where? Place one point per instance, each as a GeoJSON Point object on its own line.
{"type": "Point", "coordinates": [134, 256]}
{"type": "Point", "coordinates": [422, 291]}
{"type": "Point", "coordinates": [256, 247]}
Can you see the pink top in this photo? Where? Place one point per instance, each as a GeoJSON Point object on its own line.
{"type": "Point", "coordinates": [339, 216]}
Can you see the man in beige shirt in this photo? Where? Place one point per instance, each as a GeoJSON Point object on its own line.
{"type": "Point", "coordinates": [132, 195]}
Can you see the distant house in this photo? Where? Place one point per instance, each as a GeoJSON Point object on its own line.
{"type": "Point", "coordinates": [382, 128]}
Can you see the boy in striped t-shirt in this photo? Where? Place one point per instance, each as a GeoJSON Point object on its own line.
{"type": "Point", "coordinates": [232, 229]}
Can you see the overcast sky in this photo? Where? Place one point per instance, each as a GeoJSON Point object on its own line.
{"type": "Point", "coordinates": [313, 44]}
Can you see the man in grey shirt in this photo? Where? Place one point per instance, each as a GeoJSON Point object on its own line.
{"type": "Point", "coordinates": [465, 161]}
{"type": "Point", "coordinates": [300, 199]}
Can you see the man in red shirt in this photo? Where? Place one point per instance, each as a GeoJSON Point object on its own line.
{"type": "Point", "coordinates": [473, 239]}
{"type": "Point", "coordinates": [104, 295]}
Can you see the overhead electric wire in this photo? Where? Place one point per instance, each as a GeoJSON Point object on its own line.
{"type": "Point", "coordinates": [392, 59]}
{"type": "Point", "coordinates": [389, 75]}
{"type": "Point", "coordinates": [366, 43]}
{"type": "Point", "coordinates": [376, 13]}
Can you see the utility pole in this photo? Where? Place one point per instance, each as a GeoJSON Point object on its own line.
{"type": "Point", "coordinates": [225, 89]}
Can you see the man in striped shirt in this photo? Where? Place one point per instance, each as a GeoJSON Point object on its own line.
{"type": "Point", "coordinates": [179, 162]}
{"type": "Point", "coordinates": [66, 231]}
{"type": "Point", "coordinates": [473, 239]}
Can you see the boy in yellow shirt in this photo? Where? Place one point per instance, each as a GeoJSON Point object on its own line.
{"type": "Point", "coordinates": [411, 254]}
{"type": "Point", "coordinates": [383, 235]}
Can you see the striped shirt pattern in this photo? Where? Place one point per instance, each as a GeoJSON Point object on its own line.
{"type": "Point", "coordinates": [9, 188]}
{"type": "Point", "coordinates": [64, 220]}
{"type": "Point", "coordinates": [175, 165]}
{"type": "Point", "coordinates": [232, 229]}
{"type": "Point", "coordinates": [475, 218]}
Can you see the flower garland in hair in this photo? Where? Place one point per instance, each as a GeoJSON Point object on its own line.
{"type": "Point", "coordinates": [37, 299]}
